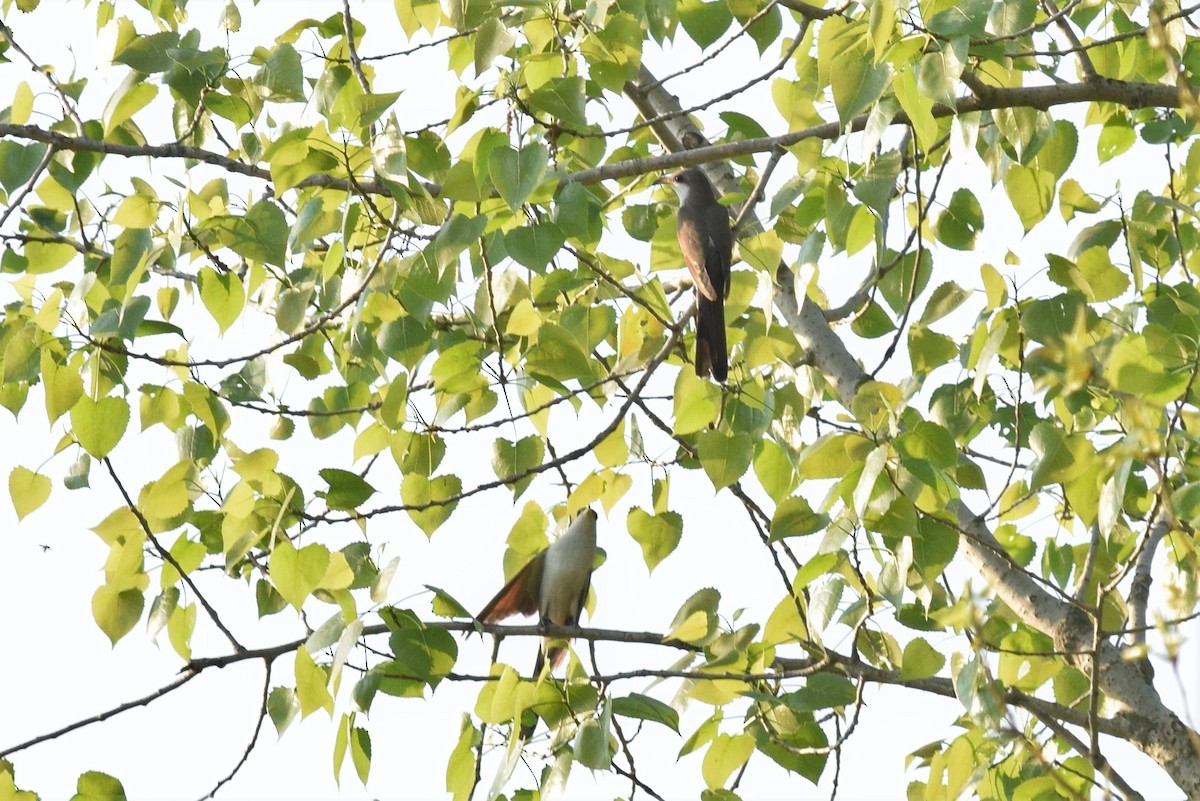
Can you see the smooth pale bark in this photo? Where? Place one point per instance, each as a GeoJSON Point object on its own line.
{"type": "Point", "coordinates": [1141, 717]}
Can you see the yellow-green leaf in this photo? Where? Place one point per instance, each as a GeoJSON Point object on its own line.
{"type": "Point", "coordinates": [431, 494]}
{"type": "Point", "coordinates": [727, 753]}
{"type": "Point", "coordinates": [460, 770]}
{"type": "Point", "coordinates": [46, 257]}
{"type": "Point", "coordinates": [724, 457]}
{"type": "Point", "coordinates": [63, 385]}
{"type": "Point", "coordinates": [136, 211]}
{"type": "Point", "coordinates": [223, 295]}
{"type": "Point", "coordinates": [99, 425]}
{"type": "Point", "coordinates": [180, 626]}
{"type": "Point", "coordinates": [116, 612]}
{"type": "Point", "coordinates": [96, 786]}
{"type": "Point", "coordinates": [28, 489]}
{"type": "Point", "coordinates": [921, 660]}
{"type": "Point", "coordinates": [658, 535]}
{"type": "Point", "coordinates": [296, 573]}
{"type": "Point", "coordinates": [311, 684]}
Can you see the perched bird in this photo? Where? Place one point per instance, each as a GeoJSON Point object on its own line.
{"type": "Point", "coordinates": [554, 585]}
{"type": "Point", "coordinates": [702, 226]}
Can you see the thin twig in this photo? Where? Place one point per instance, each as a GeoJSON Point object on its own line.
{"type": "Point", "coordinates": [183, 679]}
{"type": "Point", "coordinates": [168, 558]}
{"type": "Point", "coordinates": [262, 715]}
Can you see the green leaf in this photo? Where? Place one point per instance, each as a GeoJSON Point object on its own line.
{"type": "Point", "coordinates": [643, 707]}
{"type": "Point", "coordinates": [1011, 16]}
{"type": "Point", "coordinates": [845, 59]}
{"type": "Point", "coordinates": [96, 786]}
{"type": "Point", "coordinates": [460, 768]}
{"type": "Point", "coordinates": [117, 611]}
{"type": "Point", "coordinates": [1093, 274]}
{"type": "Point", "coordinates": [1072, 200]}
{"type": "Point", "coordinates": [964, 18]}
{"type": "Point", "coordinates": [1049, 320]}
{"type": "Point", "coordinates": [149, 53]}
{"type": "Point", "coordinates": [724, 457]}
{"type": "Point", "coordinates": [563, 99]}
{"type": "Point", "coordinates": [99, 425]}
{"type": "Point", "coordinates": [312, 684]}
{"type": "Point", "coordinates": [907, 280]}
{"type": "Point", "coordinates": [360, 752]}
{"type": "Point", "coordinates": [704, 22]}
{"type": "Point", "coordinates": [533, 246]}
{"type": "Point", "coordinates": [46, 257]}
{"type": "Point", "coordinates": [28, 490]}
{"type": "Point", "coordinates": [130, 98]}
{"type": "Point", "coordinates": [930, 442]}
{"type": "Point", "coordinates": [443, 604]}
{"type": "Point", "coordinates": [18, 162]}
{"type": "Point", "coordinates": [614, 51]}
{"type": "Point", "coordinates": [282, 706]}
{"type": "Point", "coordinates": [431, 494]}
{"type": "Point", "coordinates": [921, 660]}
{"type": "Point", "coordinates": [962, 221]}
{"type": "Point", "coordinates": [696, 620]}
{"type": "Point", "coordinates": [492, 40]}
{"type": "Point", "coordinates": [819, 565]}
{"type": "Point", "coordinates": [77, 473]}
{"type": "Point", "coordinates": [346, 490]}
{"type": "Point", "coordinates": [1132, 368]}
{"type": "Point", "coordinates": [558, 356]}
{"type": "Point", "coordinates": [1116, 137]}
{"type": "Point", "coordinates": [167, 497]}
{"type": "Point", "coordinates": [1055, 460]}
{"type": "Point", "coordinates": [223, 295]}
{"type": "Point", "coordinates": [821, 691]}
{"type": "Point", "coordinates": [296, 573]}
{"type": "Point", "coordinates": [1031, 192]}
{"type": "Point", "coordinates": [180, 627]}
{"type": "Point", "coordinates": [281, 76]}
{"type": "Point", "coordinates": [944, 299]}
{"type": "Point", "coordinates": [658, 535]}
{"type": "Point", "coordinates": [510, 459]}
{"type": "Point", "coordinates": [773, 468]}
{"type": "Point", "coordinates": [516, 173]}
{"type": "Point", "coordinates": [795, 518]}
{"type": "Point", "coordinates": [261, 236]}
{"type": "Point", "coordinates": [591, 745]}
{"type": "Point", "coordinates": [725, 754]}
{"type": "Point", "coordinates": [424, 654]}
{"type": "Point", "coordinates": [696, 401]}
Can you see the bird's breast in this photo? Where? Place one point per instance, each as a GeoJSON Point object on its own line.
{"type": "Point", "coordinates": [567, 570]}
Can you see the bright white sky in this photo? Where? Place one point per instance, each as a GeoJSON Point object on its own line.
{"type": "Point", "coordinates": [60, 667]}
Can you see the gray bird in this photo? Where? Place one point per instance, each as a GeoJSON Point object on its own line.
{"type": "Point", "coordinates": [554, 586]}
{"type": "Point", "coordinates": [707, 244]}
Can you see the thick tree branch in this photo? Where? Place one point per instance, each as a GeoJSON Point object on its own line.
{"type": "Point", "coordinates": [1125, 93]}
{"type": "Point", "coordinates": [1141, 716]}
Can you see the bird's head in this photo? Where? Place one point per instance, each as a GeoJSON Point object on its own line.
{"type": "Point", "coordinates": [689, 182]}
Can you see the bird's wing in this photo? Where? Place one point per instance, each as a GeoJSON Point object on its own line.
{"type": "Point", "coordinates": [720, 248]}
{"type": "Point", "coordinates": [519, 596]}
{"type": "Point", "coordinates": [696, 252]}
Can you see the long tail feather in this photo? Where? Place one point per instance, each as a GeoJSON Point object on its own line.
{"type": "Point", "coordinates": [712, 355]}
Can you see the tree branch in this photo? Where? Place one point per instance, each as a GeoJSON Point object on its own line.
{"type": "Point", "coordinates": [168, 558]}
{"type": "Point", "coordinates": [1141, 716]}
{"type": "Point", "coordinates": [145, 700]}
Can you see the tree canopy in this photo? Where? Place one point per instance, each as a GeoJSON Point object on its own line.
{"type": "Point", "coordinates": [278, 299]}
